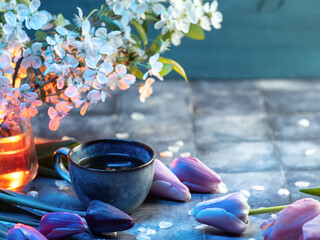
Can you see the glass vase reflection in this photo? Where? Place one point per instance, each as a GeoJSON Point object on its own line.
{"type": "Point", "coordinates": [18, 159]}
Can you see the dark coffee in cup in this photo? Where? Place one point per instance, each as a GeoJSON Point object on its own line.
{"type": "Point", "coordinates": [111, 162]}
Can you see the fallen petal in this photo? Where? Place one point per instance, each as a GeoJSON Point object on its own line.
{"type": "Point", "coordinates": [174, 149]}
{"type": "Point", "coordinates": [283, 192]}
{"type": "Point", "coordinates": [164, 224]}
{"type": "Point", "coordinates": [166, 154]}
{"type": "Point", "coordinates": [257, 187]}
{"type": "Point", "coordinates": [302, 184]}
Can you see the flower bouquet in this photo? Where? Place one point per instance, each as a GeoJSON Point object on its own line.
{"type": "Point", "coordinates": [79, 63]}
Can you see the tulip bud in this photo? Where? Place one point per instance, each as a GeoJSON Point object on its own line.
{"type": "Point", "coordinates": [311, 230]}
{"type": "Point", "coordinates": [228, 213]}
{"type": "Point", "coordinates": [102, 217]}
{"type": "Point", "coordinates": [59, 225]}
{"type": "Point", "coordinates": [195, 174]}
{"type": "Point", "coordinates": [288, 223]}
{"type": "Point", "coordinates": [24, 232]}
{"type": "Point", "coordinates": [167, 185]}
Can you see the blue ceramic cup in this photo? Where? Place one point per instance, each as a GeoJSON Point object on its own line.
{"type": "Point", "coordinates": [125, 189]}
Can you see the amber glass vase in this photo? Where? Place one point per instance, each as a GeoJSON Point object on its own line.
{"type": "Point", "coordinates": [18, 159]}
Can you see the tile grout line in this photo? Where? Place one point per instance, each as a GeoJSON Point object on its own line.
{"type": "Point", "coordinates": [194, 140]}
{"type": "Point", "coordinates": [273, 139]}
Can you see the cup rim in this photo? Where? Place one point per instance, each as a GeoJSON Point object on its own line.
{"type": "Point", "coordinates": [112, 140]}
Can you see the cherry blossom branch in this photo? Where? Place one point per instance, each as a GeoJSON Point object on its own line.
{"type": "Point", "coordinates": [16, 70]}
{"type": "Point", "coordinates": [46, 82]}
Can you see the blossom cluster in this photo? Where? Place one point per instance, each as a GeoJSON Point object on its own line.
{"type": "Point", "coordinates": [76, 64]}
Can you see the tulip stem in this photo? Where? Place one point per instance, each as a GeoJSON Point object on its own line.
{"type": "Point", "coordinates": [266, 210]}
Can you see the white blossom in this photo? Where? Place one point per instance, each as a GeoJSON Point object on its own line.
{"type": "Point", "coordinates": [32, 56]}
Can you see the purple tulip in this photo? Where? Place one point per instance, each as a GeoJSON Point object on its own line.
{"type": "Point", "coordinates": [102, 217]}
{"type": "Point", "coordinates": [167, 185]}
{"type": "Point", "coordinates": [311, 229]}
{"type": "Point", "coordinates": [228, 213]}
{"type": "Point", "coordinates": [195, 174]}
{"type": "Point", "coordinates": [288, 224]}
{"type": "Point", "coordinates": [58, 225]}
{"type": "Point", "coordinates": [24, 232]}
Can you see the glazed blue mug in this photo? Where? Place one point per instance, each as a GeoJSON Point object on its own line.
{"type": "Point", "coordinates": [118, 172]}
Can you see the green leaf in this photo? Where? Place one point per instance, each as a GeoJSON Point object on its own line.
{"type": "Point", "coordinates": [311, 191]}
{"type": "Point", "coordinates": [166, 69]}
{"type": "Point", "coordinates": [195, 32]}
{"type": "Point", "coordinates": [41, 35]}
{"type": "Point", "coordinates": [45, 151]}
{"type": "Point", "coordinates": [26, 2]}
{"type": "Point", "coordinates": [136, 71]}
{"type": "Point", "coordinates": [47, 172]}
{"type": "Point", "coordinates": [7, 207]}
{"type": "Point", "coordinates": [141, 32]}
{"type": "Point", "coordinates": [176, 66]}
{"type": "Point", "coordinates": [28, 201]}
{"type": "Point", "coordinates": [72, 27]}
{"type": "Point", "coordinates": [61, 20]}
{"type": "Point", "coordinates": [110, 24]}
{"type": "Point", "coordinates": [136, 38]}
{"type": "Point", "coordinates": [155, 45]}
{"type": "Point", "coordinates": [145, 25]}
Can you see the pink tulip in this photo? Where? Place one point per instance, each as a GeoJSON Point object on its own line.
{"type": "Point", "coordinates": [311, 229]}
{"type": "Point", "coordinates": [24, 232]}
{"type": "Point", "coordinates": [228, 213]}
{"type": "Point", "coordinates": [195, 174]}
{"type": "Point", "coordinates": [167, 185]}
{"type": "Point", "coordinates": [59, 225]}
{"type": "Point", "coordinates": [288, 223]}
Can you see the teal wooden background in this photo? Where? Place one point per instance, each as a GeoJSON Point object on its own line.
{"type": "Point", "coordinates": [259, 39]}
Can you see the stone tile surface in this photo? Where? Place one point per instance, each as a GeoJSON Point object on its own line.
{"type": "Point", "coordinates": [310, 176]}
{"type": "Point", "coordinates": [288, 85]}
{"type": "Point", "coordinates": [287, 127]}
{"type": "Point", "coordinates": [292, 102]}
{"type": "Point", "coordinates": [239, 156]}
{"type": "Point", "coordinates": [253, 133]}
{"type": "Point", "coordinates": [300, 155]}
{"type": "Point", "coordinates": [228, 104]}
{"type": "Point", "coordinates": [231, 128]}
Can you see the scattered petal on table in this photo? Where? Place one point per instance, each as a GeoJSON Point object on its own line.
{"type": "Point", "coordinates": [123, 135]}
{"type": "Point", "coordinates": [301, 184]}
{"type": "Point", "coordinates": [303, 122]}
{"type": "Point", "coordinates": [136, 116]}
{"type": "Point", "coordinates": [63, 185]}
{"type": "Point", "coordinates": [257, 188]}
{"type": "Point", "coordinates": [283, 192]}
{"type": "Point", "coordinates": [164, 224]}
{"type": "Point", "coordinates": [166, 154]}
{"type": "Point", "coordinates": [33, 193]}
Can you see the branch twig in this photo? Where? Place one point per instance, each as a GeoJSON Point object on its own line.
{"type": "Point", "coordinates": [16, 70]}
